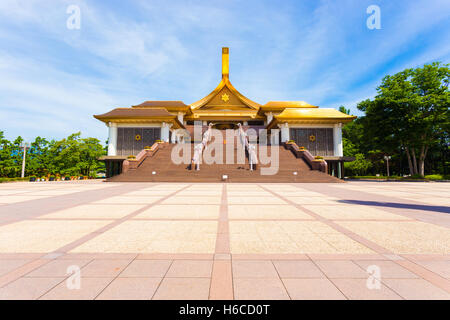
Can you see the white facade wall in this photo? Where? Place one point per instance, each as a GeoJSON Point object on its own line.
{"type": "Point", "coordinates": [112, 139]}
{"type": "Point", "coordinates": [284, 127]}
{"type": "Point", "coordinates": [337, 138]}
{"type": "Point", "coordinates": [165, 131]}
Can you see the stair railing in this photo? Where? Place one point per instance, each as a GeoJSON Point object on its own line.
{"type": "Point", "coordinates": [315, 164]}
{"type": "Point", "coordinates": [251, 149]}
{"type": "Point", "coordinates": [198, 149]}
{"type": "Point", "coordinates": [133, 164]}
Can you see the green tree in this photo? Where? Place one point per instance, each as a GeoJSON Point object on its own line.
{"type": "Point", "coordinates": [70, 156]}
{"type": "Point", "coordinates": [410, 111]}
{"type": "Point", "coordinates": [7, 165]}
{"type": "Point", "coordinates": [358, 167]}
{"type": "Point", "coordinates": [90, 151]}
{"type": "Point", "coordinates": [344, 110]}
{"type": "Point", "coordinates": [38, 158]}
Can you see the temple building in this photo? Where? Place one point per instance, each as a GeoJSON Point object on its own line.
{"type": "Point", "coordinates": [319, 130]}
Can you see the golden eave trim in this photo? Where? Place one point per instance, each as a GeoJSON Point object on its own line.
{"type": "Point", "coordinates": [172, 120]}
{"type": "Point", "coordinates": [225, 82]}
{"type": "Point", "coordinates": [275, 121]}
{"type": "Point", "coordinates": [315, 119]}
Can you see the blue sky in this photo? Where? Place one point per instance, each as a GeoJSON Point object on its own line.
{"type": "Point", "coordinates": [53, 79]}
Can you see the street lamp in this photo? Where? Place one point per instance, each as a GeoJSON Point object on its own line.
{"type": "Point", "coordinates": [25, 146]}
{"type": "Point", "coordinates": [387, 158]}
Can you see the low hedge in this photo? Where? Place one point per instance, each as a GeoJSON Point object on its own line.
{"type": "Point", "coordinates": [13, 179]}
{"type": "Point", "coordinates": [438, 177]}
{"type": "Point", "coordinates": [433, 177]}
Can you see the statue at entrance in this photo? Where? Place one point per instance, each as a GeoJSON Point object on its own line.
{"type": "Point", "coordinates": [198, 151]}
{"type": "Point", "coordinates": [252, 158]}
{"type": "Point", "coordinates": [207, 136]}
{"type": "Point", "coordinates": [242, 136]}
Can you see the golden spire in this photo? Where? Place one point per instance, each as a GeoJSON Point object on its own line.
{"type": "Point", "coordinates": [225, 62]}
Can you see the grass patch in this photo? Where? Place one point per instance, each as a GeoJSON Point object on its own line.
{"type": "Point", "coordinates": [13, 179]}
{"type": "Point", "coordinates": [376, 177]}
{"type": "Point", "coordinates": [431, 177]}
{"type": "Point", "coordinates": [438, 177]}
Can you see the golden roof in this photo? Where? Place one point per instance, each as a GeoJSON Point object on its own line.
{"type": "Point", "coordinates": [225, 95]}
{"type": "Point", "coordinates": [279, 106]}
{"type": "Point", "coordinates": [287, 104]}
{"type": "Point", "coordinates": [139, 115]}
{"type": "Point", "coordinates": [171, 106]}
{"type": "Point", "coordinates": [226, 102]}
{"type": "Point", "coordinates": [311, 115]}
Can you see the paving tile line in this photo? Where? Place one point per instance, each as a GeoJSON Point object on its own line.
{"type": "Point", "coordinates": [309, 258]}
{"type": "Point", "coordinates": [404, 259]}
{"type": "Point", "coordinates": [221, 283]}
{"type": "Point", "coordinates": [25, 193]}
{"type": "Point", "coordinates": [329, 279]}
{"type": "Point", "coordinates": [392, 199]}
{"type": "Point", "coordinates": [16, 274]}
{"type": "Point", "coordinates": [172, 261]}
{"type": "Point", "coordinates": [63, 278]}
{"type": "Point", "coordinates": [281, 280]}
{"type": "Point", "coordinates": [136, 257]}
{"type": "Point", "coordinates": [337, 228]}
{"type": "Point", "coordinates": [104, 229]}
{"type": "Point", "coordinates": [422, 272]}
{"type": "Point", "coordinates": [80, 200]}
{"type": "Point", "coordinates": [161, 281]}
{"type": "Point", "coordinates": [20, 193]}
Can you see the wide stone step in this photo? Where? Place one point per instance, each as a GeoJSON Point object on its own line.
{"type": "Point", "coordinates": [167, 171]}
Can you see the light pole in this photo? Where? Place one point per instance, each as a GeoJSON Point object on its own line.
{"type": "Point", "coordinates": [387, 158]}
{"type": "Point", "coordinates": [24, 145]}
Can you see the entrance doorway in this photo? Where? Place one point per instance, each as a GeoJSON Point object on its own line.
{"type": "Point", "coordinates": [225, 126]}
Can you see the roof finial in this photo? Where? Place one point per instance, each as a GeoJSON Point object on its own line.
{"type": "Point", "coordinates": [225, 63]}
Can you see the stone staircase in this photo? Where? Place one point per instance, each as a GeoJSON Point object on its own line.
{"type": "Point", "coordinates": [166, 171]}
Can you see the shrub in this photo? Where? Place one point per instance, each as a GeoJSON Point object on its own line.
{"type": "Point", "coordinates": [359, 167]}
{"type": "Point", "coordinates": [14, 179]}
{"type": "Point", "coordinates": [437, 177]}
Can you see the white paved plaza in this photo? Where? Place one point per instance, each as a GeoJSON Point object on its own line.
{"type": "Point", "coordinates": [224, 241]}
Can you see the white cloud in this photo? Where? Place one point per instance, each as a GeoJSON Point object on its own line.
{"type": "Point", "coordinates": [318, 52]}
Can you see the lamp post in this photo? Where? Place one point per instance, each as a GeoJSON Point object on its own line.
{"type": "Point", "coordinates": [24, 145]}
{"type": "Point", "coordinates": [387, 158]}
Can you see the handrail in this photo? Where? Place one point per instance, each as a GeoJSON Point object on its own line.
{"type": "Point", "coordinates": [133, 164]}
{"type": "Point", "coordinates": [315, 164]}
{"type": "Point", "coordinates": [252, 157]}
{"type": "Point", "coordinates": [198, 149]}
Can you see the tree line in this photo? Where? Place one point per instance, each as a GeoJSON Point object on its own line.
{"type": "Point", "coordinates": [408, 120]}
{"type": "Point", "coordinates": [71, 156]}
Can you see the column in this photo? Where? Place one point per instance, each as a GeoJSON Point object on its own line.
{"type": "Point", "coordinates": [112, 139]}
{"type": "Point", "coordinates": [180, 117]}
{"type": "Point", "coordinates": [339, 172]}
{"type": "Point", "coordinates": [337, 138]}
{"type": "Point", "coordinates": [165, 128]}
{"type": "Point", "coordinates": [284, 131]}
{"type": "Point", "coordinates": [269, 116]}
